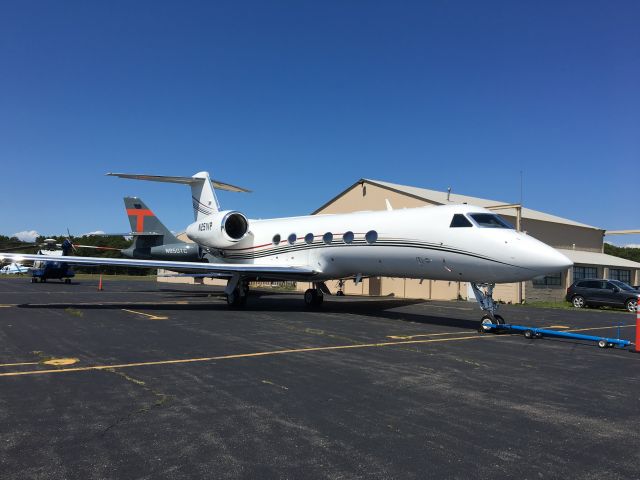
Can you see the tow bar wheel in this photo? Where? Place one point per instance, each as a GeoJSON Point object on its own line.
{"type": "Point", "coordinates": [603, 343]}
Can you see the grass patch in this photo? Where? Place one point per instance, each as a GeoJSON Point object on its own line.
{"type": "Point", "coordinates": [75, 312]}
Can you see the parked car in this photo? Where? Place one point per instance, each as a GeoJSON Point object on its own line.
{"type": "Point", "coordinates": [599, 292]}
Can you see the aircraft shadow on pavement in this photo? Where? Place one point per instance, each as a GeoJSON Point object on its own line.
{"type": "Point", "coordinates": [266, 301]}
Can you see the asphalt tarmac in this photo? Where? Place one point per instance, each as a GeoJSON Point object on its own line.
{"type": "Point", "coordinates": [148, 380]}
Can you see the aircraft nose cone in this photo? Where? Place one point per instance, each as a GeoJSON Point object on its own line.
{"type": "Point", "coordinates": [553, 261]}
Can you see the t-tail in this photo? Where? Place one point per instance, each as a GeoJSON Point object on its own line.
{"type": "Point", "coordinates": [203, 196]}
{"type": "Point", "coordinates": [152, 240]}
{"type": "Point", "coordinates": [151, 231]}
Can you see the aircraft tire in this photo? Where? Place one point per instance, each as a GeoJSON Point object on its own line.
{"type": "Point", "coordinates": [486, 320]}
{"type": "Point", "coordinates": [234, 299]}
{"type": "Point", "coordinates": [313, 297]}
{"type": "Point", "coordinates": [34, 280]}
{"type": "Point", "coordinates": [310, 296]}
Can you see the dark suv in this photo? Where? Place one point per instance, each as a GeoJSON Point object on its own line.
{"type": "Point", "coordinates": [613, 293]}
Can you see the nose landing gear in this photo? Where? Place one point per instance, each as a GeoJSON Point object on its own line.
{"type": "Point", "coordinates": [484, 296]}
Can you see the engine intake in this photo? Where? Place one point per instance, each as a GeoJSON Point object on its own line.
{"type": "Point", "coordinates": [235, 225]}
{"type": "Point", "coordinates": [220, 230]}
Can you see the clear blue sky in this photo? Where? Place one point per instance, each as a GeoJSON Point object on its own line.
{"type": "Point", "coordinates": [298, 100]}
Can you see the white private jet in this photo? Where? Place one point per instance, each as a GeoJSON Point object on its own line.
{"type": "Point", "coordinates": [452, 242]}
{"type": "Point", "coordinates": [14, 269]}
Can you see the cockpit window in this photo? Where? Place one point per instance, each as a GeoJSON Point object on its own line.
{"type": "Point", "coordinates": [460, 220]}
{"type": "Point", "coordinates": [489, 220]}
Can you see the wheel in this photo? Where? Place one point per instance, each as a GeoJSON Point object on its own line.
{"type": "Point", "coordinates": [603, 343]}
{"type": "Point", "coordinates": [578, 301]}
{"type": "Point", "coordinates": [529, 334]}
{"type": "Point", "coordinates": [234, 299]}
{"type": "Point", "coordinates": [313, 298]}
{"type": "Point", "coordinates": [485, 322]}
{"type": "Point", "coordinates": [309, 297]}
{"type": "Point", "coordinates": [499, 320]}
{"type": "Point", "coordinates": [34, 280]}
{"type": "Point", "coordinates": [339, 293]}
{"type": "Point", "coordinates": [631, 304]}
{"type": "Point", "coordinates": [67, 281]}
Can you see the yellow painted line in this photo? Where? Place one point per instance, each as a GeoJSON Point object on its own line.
{"type": "Point", "coordinates": [151, 317]}
{"type": "Point", "coordinates": [8, 305]}
{"type": "Point", "coordinates": [557, 326]}
{"type": "Point", "coordinates": [409, 337]}
{"type": "Point", "coordinates": [16, 364]}
{"type": "Point", "coordinates": [237, 356]}
{"type": "Point", "coordinates": [599, 328]}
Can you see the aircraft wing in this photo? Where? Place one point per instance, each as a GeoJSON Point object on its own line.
{"type": "Point", "coordinates": [249, 269]}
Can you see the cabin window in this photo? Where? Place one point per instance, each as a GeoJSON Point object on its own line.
{"type": "Point", "coordinates": [292, 239]}
{"type": "Point", "coordinates": [460, 220]}
{"type": "Point", "coordinates": [489, 220]}
{"type": "Point", "coordinates": [327, 238]}
{"type": "Point", "coordinates": [276, 239]}
{"type": "Point", "coordinates": [347, 237]}
{"type": "Point", "coordinates": [308, 238]}
{"type": "Point", "coordinates": [371, 236]}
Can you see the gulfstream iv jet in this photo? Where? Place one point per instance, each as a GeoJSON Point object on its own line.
{"type": "Point", "coordinates": [451, 242]}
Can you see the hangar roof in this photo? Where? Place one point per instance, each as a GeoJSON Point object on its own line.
{"type": "Point", "coordinates": [440, 198]}
{"type": "Point", "coordinates": [594, 258]}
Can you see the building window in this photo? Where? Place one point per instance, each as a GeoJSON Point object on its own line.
{"type": "Point", "coordinates": [554, 280]}
{"type": "Point", "coordinates": [580, 273]}
{"type": "Point", "coordinates": [618, 274]}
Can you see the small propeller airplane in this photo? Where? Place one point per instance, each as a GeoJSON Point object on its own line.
{"type": "Point", "coordinates": [451, 242]}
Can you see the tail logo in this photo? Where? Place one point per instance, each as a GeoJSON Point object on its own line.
{"type": "Point", "coordinates": [139, 214]}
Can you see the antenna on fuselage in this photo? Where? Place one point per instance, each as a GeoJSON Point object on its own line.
{"type": "Point", "coordinates": [449, 194]}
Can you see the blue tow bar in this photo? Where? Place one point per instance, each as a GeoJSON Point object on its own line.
{"type": "Point", "coordinates": [533, 332]}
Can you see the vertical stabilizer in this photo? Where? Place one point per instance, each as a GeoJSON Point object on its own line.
{"type": "Point", "coordinates": [143, 220]}
{"type": "Point", "coordinates": [203, 196]}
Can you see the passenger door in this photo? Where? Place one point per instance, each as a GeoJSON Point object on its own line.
{"type": "Point", "coordinates": [613, 295]}
{"type": "Point", "coordinates": [595, 293]}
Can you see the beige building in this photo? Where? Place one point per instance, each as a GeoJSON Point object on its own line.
{"type": "Point", "coordinates": [583, 244]}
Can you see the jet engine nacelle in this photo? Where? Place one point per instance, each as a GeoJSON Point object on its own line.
{"type": "Point", "coordinates": [220, 230]}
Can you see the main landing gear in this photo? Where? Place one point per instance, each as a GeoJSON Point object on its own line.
{"type": "Point", "coordinates": [484, 295]}
{"type": "Point", "coordinates": [313, 297]}
{"type": "Point", "coordinates": [237, 291]}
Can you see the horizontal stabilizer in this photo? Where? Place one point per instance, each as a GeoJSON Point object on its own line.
{"type": "Point", "coordinates": [181, 180]}
{"type": "Point", "coordinates": [128, 234]}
